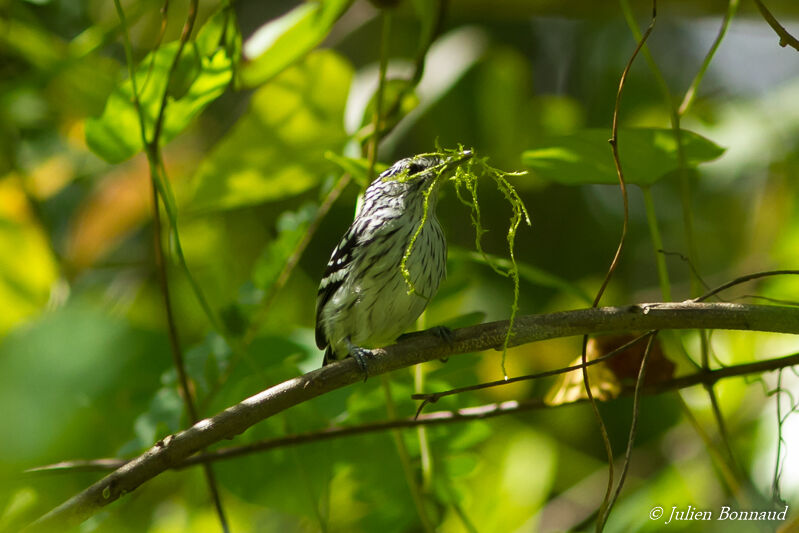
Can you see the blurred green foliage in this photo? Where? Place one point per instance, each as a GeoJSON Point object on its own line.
{"type": "Point", "coordinates": [277, 44]}
{"type": "Point", "coordinates": [296, 118]}
{"type": "Point", "coordinates": [649, 155]}
{"type": "Point", "coordinates": [268, 106]}
{"type": "Point", "coordinates": [201, 75]}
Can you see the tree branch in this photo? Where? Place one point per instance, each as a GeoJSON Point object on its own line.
{"type": "Point", "coordinates": [174, 449]}
{"type": "Point", "coordinates": [786, 39]}
{"type": "Point", "coordinates": [465, 414]}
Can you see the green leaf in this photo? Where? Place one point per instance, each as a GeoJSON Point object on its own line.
{"type": "Point", "coordinates": [206, 362]}
{"type": "Point", "coordinates": [357, 167]}
{"type": "Point", "coordinates": [161, 419]}
{"type": "Point", "coordinates": [647, 155]}
{"type": "Point", "coordinates": [281, 42]}
{"type": "Point", "coordinates": [291, 228]}
{"type": "Point", "coordinates": [214, 32]}
{"type": "Point", "coordinates": [277, 147]}
{"type": "Point", "coordinates": [399, 99]}
{"type": "Point", "coordinates": [202, 74]}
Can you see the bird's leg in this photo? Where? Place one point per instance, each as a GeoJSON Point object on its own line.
{"type": "Point", "coordinates": [360, 355]}
{"type": "Point", "coordinates": [443, 333]}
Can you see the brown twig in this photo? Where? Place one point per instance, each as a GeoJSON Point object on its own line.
{"type": "Point", "coordinates": [436, 418]}
{"type": "Point", "coordinates": [432, 397]}
{"type": "Point", "coordinates": [633, 431]}
{"type": "Point", "coordinates": [188, 26]}
{"type": "Point", "coordinates": [154, 159]}
{"type": "Point", "coordinates": [684, 258]}
{"type": "Point", "coordinates": [786, 39]}
{"type": "Point", "coordinates": [236, 419]}
{"type": "Point", "coordinates": [428, 419]}
{"type": "Point", "coordinates": [678, 113]}
{"type": "Point", "coordinates": [613, 141]}
{"type": "Point", "coordinates": [779, 461]}
{"type": "Point", "coordinates": [744, 279]}
{"type": "Point", "coordinates": [605, 507]}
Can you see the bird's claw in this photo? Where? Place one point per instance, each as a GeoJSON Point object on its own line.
{"type": "Point", "coordinates": [361, 355]}
{"type": "Point", "coordinates": [445, 334]}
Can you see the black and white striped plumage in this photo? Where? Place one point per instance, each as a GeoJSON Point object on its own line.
{"type": "Point", "coordinates": [363, 299]}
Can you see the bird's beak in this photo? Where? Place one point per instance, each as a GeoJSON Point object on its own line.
{"type": "Point", "coordinates": [460, 158]}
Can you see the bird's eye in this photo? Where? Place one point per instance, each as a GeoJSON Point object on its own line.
{"type": "Point", "coordinates": [415, 168]}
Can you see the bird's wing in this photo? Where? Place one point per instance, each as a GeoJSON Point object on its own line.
{"type": "Point", "coordinates": [332, 279]}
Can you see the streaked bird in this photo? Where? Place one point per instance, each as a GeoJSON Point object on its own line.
{"type": "Point", "coordinates": [363, 300]}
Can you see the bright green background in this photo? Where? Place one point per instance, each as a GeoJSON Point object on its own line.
{"type": "Point", "coordinates": [252, 146]}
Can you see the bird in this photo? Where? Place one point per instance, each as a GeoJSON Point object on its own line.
{"type": "Point", "coordinates": [364, 301]}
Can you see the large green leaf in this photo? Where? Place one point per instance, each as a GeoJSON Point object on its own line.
{"type": "Point", "coordinates": [277, 148]}
{"type": "Point", "coordinates": [285, 40]}
{"type": "Point", "coordinates": [647, 155]}
{"type": "Point", "coordinates": [202, 74]}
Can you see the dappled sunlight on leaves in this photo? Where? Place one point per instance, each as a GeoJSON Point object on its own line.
{"type": "Point", "coordinates": [277, 148]}
{"type": "Point", "coordinates": [202, 74]}
{"type": "Point", "coordinates": [267, 154]}
{"type": "Point", "coordinates": [28, 268]}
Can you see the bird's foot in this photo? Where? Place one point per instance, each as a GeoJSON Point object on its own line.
{"type": "Point", "coordinates": [361, 355]}
{"type": "Point", "coordinates": [444, 333]}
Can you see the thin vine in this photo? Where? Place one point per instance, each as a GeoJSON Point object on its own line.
{"type": "Point", "coordinates": [465, 169]}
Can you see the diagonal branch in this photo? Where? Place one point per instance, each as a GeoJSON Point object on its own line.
{"type": "Point", "coordinates": [176, 448]}
{"type": "Point", "coordinates": [464, 414]}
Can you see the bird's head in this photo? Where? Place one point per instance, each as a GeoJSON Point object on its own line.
{"type": "Point", "coordinates": [406, 185]}
{"type": "Point", "coordinates": [412, 175]}
{"type": "Point", "coordinates": [417, 168]}
{"type": "Point", "coordinates": [423, 167]}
